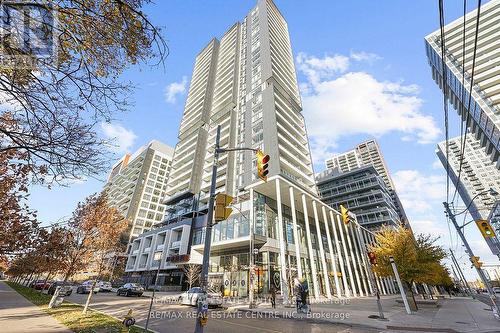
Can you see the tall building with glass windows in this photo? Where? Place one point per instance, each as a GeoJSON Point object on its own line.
{"type": "Point", "coordinates": [364, 154]}
{"type": "Point", "coordinates": [137, 184]}
{"type": "Point", "coordinates": [363, 191]}
{"type": "Point", "coordinates": [477, 176]}
{"type": "Point", "coordinates": [483, 109]}
{"type": "Point", "coordinates": [246, 83]}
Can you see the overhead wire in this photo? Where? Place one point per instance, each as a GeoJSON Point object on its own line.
{"type": "Point", "coordinates": [463, 143]}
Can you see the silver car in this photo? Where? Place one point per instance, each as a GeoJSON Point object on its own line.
{"type": "Point", "coordinates": [86, 287]}
{"type": "Point", "coordinates": [191, 296]}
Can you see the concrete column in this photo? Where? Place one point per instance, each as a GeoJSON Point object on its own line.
{"type": "Point", "coordinates": [332, 255]}
{"type": "Point", "coordinates": [339, 254]}
{"type": "Point", "coordinates": [281, 240]}
{"type": "Point", "coordinates": [344, 246]}
{"type": "Point", "coordinates": [393, 286]}
{"type": "Point", "coordinates": [353, 260]}
{"type": "Point", "coordinates": [359, 257]}
{"type": "Point", "coordinates": [295, 233]}
{"type": "Point", "coordinates": [362, 241]}
{"type": "Point", "coordinates": [322, 252]}
{"type": "Point", "coordinates": [310, 249]}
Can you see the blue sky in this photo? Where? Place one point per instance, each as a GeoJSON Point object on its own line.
{"type": "Point", "coordinates": [363, 74]}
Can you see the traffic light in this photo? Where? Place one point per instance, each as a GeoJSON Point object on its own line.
{"type": "Point", "coordinates": [485, 228]}
{"type": "Point", "coordinates": [475, 262]}
{"type": "Point", "coordinates": [373, 258]}
{"type": "Point", "coordinates": [221, 211]}
{"type": "Point", "coordinates": [262, 165]}
{"type": "Point", "coordinates": [346, 217]}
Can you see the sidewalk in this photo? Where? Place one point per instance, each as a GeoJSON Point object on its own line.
{"type": "Point", "coordinates": [460, 314]}
{"type": "Point", "coordinates": [18, 315]}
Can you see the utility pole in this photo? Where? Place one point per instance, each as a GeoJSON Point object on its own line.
{"type": "Point", "coordinates": [460, 273]}
{"type": "Point", "coordinates": [400, 285]}
{"type": "Point", "coordinates": [495, 307]}
{"type": "Point", "coordinates": [202, 306]}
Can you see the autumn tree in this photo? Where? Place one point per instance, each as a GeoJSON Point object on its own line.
{"type": "Point", "coordinates": [52, 252]}
{"type": "Point", "coordinates": [96, 230]}
{"type": "Point", "coordinates": [17, 222]}
{"type": "Point", "coordinates": [192, 273]}
{"type": "Point", "coordinates": [417, 258]}
{"type": "Point", "coordinates": [55, 91]}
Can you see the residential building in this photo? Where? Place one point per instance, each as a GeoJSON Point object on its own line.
{"type": "Point", "coordinates": [363, 191]}
{"type": "Point", "coordinates": [483, 109]}
{"type": "Point", "coordinates": [246, 83]}
{"type": "Point", "coordinates": [368, 153]}
{"type": "Point", "coordinates": [137, 184]}
{"type": "Point", "coordinates": [478, 174]}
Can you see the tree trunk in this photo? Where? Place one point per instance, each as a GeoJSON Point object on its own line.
{"type": "Point", "coordinates": [410, 290]}
{"type": "Point", "coordinates": [88, 298]}
{"type": "Point", "coordinates": [45, 282]}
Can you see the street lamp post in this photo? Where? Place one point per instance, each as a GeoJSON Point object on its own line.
{"type": "Point", "coordinates": [495, 307]}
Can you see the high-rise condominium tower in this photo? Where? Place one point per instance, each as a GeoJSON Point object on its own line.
{"type": "Point", "coordinates": [246, 82]}
{"type": "Point", "coordinates": [137, 183]}
{"type": "Point", "coordinates": [368, 153]}
{"type": "Point", "coordinates": [483, 109]}
{"type": "Point", "coordinates": [478, 174]}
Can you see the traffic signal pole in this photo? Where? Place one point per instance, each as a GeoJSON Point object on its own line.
{"type": "Point", "coordinates": [202, 306]}
{"type": "Point", "coordinates": [482, 276]}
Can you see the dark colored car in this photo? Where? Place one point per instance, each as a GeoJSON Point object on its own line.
{"type": "Point", "coordinates": [66, 288]}
{"type": "Point", "coordinates": [40, 284]}
{"type": "Point", "coordinates": [130, 289]}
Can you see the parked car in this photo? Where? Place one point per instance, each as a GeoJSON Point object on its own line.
{"type": "Point", "coordinates": [104, 285]}
{"type": "Point", "coordinates": [496, 290]}
{"type": "Point", "coordinates": [86, 286]}
{"type": "Point", "coordinates": [66, 288]}
{"type": "Point", "coordinates": [40, 284]}
{"type": "Point", "coordinates": [190, 297]}
{"type": "Point", "coordinates": [130, 289]}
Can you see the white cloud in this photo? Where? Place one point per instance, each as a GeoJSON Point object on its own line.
{"type": "Point", "coordinates": [121, 138]}
{"type": "Point", "coordinates": [316, 69]}
{"type": "Point", "coordinates": [365, 56]}
{"type": "Point", "coordinates": [174, 89]}
{"type": "Point", "coordinates": [418, 191]}
{"type": "Point", "coordinates": [339, 103]}
{"type": "Point", "coordinates": [437, 165]}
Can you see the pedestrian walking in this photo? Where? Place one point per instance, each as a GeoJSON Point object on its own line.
{"type": "Point", "coordinates": [273, 297]}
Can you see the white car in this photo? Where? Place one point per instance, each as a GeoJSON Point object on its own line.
{"type": "Point", "coordinates": [191, 296]}
{"type": "Point", "coordinates": [104, 286]}
{"type": "Point", "coordinates": [86, 286]}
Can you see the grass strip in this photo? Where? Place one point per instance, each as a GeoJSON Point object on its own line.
{"type": "Point", "coordinates": [71, 315]}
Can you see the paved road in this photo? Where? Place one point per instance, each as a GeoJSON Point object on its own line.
{"type": "Point", "coordinates": [18, 315]}
{"type": "Point", "coordinates": [485, 298]}
{"type": "Point", "coordinates": [168, 316]}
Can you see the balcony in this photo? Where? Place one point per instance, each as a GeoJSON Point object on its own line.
{"type": "Point", "coordinates": [175, 245]}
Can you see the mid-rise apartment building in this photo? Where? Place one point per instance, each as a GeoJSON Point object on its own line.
{"type": "Point", "coordinates": [363, 191]}
{"type": "Point", "coordinates": [137, 184]}
{"type": "Point", "coordinates": [483, 109]}
{"type": "Point", "coordinates": [364, 154]}
{"type": "Point", "coordinates": [246, 83]}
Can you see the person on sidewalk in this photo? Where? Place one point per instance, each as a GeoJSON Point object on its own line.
{"type": "Point", "coordinates": [273, 296]}
{"type": "Point", "coordinates": [296, 291]}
